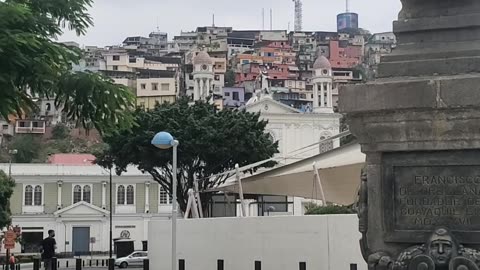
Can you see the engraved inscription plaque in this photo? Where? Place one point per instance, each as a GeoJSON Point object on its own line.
{"type": "Point", "coordinates": [426, 198]}
{"type": "Point", "coordinates": [426, 190]}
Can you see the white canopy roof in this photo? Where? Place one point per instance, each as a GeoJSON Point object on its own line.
{"type": "Point", "coordinates": [339, 170]}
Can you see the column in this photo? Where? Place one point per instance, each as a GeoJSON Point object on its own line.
{"type": "Point", "coordinates": [104, 195]}
{"type": "Point", "coordinates": [59, 192]}
{"type": "Point", "coordinates": [322, 95]}
{"type": "Point", "coordinates": [147, 197]}
{"type": "Point", "coordinates": [196, 90]}
{"type": "Point", "coordinates": [329, 95]}
{"type": "Point", "coordinates": [315, 95]}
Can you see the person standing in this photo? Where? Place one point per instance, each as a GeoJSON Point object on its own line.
{"type": "Point", "coordinates": [48, 249]}
{"type": "Point", "coordinates": [12, 261]}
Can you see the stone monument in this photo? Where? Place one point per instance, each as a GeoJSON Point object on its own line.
{"type": "Point", "coordinates": [419, 125]}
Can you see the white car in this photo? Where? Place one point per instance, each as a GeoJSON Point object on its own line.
{"type": "Point", "coordinates": [134, 259]}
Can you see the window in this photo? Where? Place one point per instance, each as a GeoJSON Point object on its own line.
{"type": "Point", "coordinates": [33, 195]}
{"type": "Point", "coordinates": [86, 194]}
{"type": "Point", "coordinates": [115, 67]}
{"type": "Point", "coordinates": [116, 58]}
{"type": "Point", "coordinates": [5, 127]}
{"type": "Point", "coordinates": [217, 77]}
{"type": "Point", "coordinates": [164, 198]}
{"type": "Point", "coordinates": [143, 86]}
{"type": "Point", "coordinates": [236, 96]}
{"type": "Point", "coordinates": [227, 94]}
{"type": "Point", "coordinates": [37, 199]}
{"type": "Point", "coordinates": [28, 195]}
{"type": "Point", "coordinates": [82, 193]}
{"type": "Point", "coordinates": [126, 196]}
{"type": "Point", "coordinates": [154, 86]}
{"type": "Point", "coordinates": [165, 87]}
{"type": "Point", "coordinates": [48, 107]}
{"type": "Point", "coordinates": [132, 60]}
{"type": "Point", "coordinates": [130, 195]}
{"type": "Point", "coordinates": [77, 194]}
{"type": "Point", "coordinates": [121, 195]}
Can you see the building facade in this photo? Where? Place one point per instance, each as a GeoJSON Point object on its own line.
{"type": "Point", "coordinates": [75, 202]}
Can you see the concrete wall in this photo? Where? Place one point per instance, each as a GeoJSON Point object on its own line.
{"type": "Point", "coordinates": [280, 243]}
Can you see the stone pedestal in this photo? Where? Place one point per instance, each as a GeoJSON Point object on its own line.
{"type": "Point", "coordinates": [419, 124]}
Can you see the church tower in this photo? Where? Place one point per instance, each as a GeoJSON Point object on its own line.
{"type": "Point", "coordinates": [203, 76]}
{"type": "Point", "coordinates": [322, 85]}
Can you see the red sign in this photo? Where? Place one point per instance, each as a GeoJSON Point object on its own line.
{"type": "Point", "coordinates": [10, 237]}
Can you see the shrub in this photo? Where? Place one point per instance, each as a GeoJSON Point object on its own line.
{"type": "Point", "coordinates": [314, 209]}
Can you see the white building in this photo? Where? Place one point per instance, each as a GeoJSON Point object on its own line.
{"type": "Point", "coordinates": [294, 129]}
{"type": "Point", "coordinates": [75, 202]}
{"type": "Point", "coordinates": [203, 76]}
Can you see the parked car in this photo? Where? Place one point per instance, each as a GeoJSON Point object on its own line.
{"type": "Point", "coordinates": [134, 259]}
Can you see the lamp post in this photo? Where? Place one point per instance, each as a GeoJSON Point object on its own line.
{"type": "Point", "coordinates": [164, 140]}
{"type": "Point", "coordinates": [12, 153]}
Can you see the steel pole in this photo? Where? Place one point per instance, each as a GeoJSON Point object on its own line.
{"type": "Point", "coordinates": [174, 207]}
{"type": "Point", "coordinates": [111, 218]}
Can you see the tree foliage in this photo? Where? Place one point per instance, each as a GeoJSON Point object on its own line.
{"type": "Point", "coordinates": [313, 209]}
{"type": "Point", "coordinates": [60, 131]}
{"type": "Point", "coordinates": [6, 190]}
{"type": "Point", "coordinates": [230, 78]}
{"type": "Point", "coordinates": [211, 142]}
{"type": "Point", "coordinates": [28, 147]}
{"type": "Point", "coordinates": [32, 64]}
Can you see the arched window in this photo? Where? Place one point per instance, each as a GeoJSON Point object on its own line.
{"type": "Point", "coordinates": [130, 195]}
{"type": "Point", "coordinates": [77, 194]}
{"type": "Point", "coordinates": [28, 195]}
{"type": "Point", "coordinates": [37, 200]}
{"type": "Point", "coordinates": [121, 195]}
{"type": "Point", "coordinates": [86, 194]}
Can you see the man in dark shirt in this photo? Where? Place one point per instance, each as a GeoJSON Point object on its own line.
{"type": "Point", "coordinates": [48, 249]}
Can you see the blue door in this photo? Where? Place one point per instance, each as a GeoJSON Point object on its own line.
{"type": "Point", "coordinates": [81, 241]}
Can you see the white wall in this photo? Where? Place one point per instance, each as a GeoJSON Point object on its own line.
{"type": "Point", "coordinates": [280, 243]}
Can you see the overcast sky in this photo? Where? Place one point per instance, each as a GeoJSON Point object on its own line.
{"type": "Point", "coordinates": [116, 19]}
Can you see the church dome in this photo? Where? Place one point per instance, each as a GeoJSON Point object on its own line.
{"type": "Point", "coordinates": [202, 58]}
{"type": "Point", "coordinates": [322, 63]}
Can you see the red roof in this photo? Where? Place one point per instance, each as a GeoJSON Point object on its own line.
{"type": "Point", "coordinates": [72, 159]}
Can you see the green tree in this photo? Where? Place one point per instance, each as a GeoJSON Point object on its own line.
{"type": "Point", "coordinates": [211, 142]}
{"type": "Point", "coordinates": [28, 147]}
{"type": "Point", "coordinates": [6, 190]}
{"type": "Point", "coordinates": [33, 64]}
{"type": "Point", "coordinates": [60, 131]}
{"type": "Point", "coordinates": [230, 78]}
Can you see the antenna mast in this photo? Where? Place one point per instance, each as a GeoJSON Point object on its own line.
{"type": "Point", "coordinates": [347, 6]}
{"type": "Point", "coordinates": [298, 15]}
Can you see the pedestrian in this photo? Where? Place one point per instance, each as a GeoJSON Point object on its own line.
{"type": "Point", "coordinates": [48, 249]}
{"type": "Point", "coordinates": [12, 262]}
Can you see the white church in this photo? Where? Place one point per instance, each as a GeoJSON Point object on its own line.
{"type": "Point", "coordinates": [297, 132]}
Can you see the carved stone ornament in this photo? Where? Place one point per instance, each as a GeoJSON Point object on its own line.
{"type": "Point", "coordinates": [441, 252]}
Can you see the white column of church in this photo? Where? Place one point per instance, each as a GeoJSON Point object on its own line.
{"type": "Point", "coordinates": [104, 195]}
{"type": "Point", "coordinates": [329, 95]}
{"type": "Point", "coordinates": [315, 95]}
{"type": "Point", "coordinates": [59, 191]}
{"type": "Point", "coordinates": [322, 94]}
{"type": "Point", "coordinates": [196, 90]}
{"type": "Point", "coordinates": [147, 197]}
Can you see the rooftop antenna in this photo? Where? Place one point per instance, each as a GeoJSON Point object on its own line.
{"type": "Point", "coordinates": [298, 15]}
{"type": "Point", "coordinates": [263, 18]}
{"type": "Point", "coordinates": [271, 19]}
{"type": "Point", "coordinates": [347, 6]}
{"type": "Point", "coordinates": [213, 20]}
{"type": "Point", "coordinates": [158, 26]}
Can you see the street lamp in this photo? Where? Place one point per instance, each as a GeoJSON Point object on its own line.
{"type": "Point", "coordinates": [12, 153]}
{"type": "Point", "coordinates": [164, 140]}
